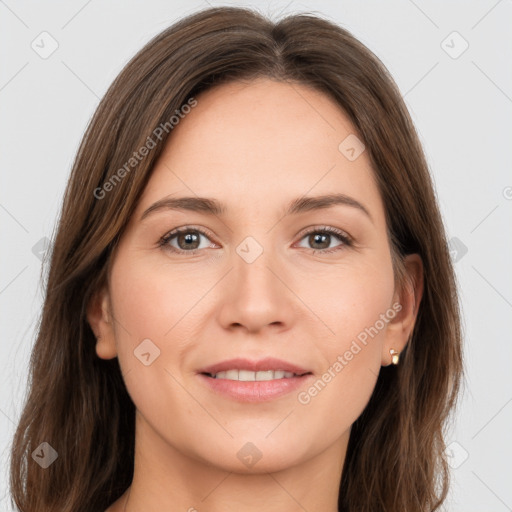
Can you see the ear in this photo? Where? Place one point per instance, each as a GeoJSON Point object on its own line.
{"type": "Point", "coordinates": [100, 318]}
{"type": "Point", "coordinates": [400, 328]}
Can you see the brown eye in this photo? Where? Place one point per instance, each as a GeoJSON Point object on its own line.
{"type": "Point", "coordinates": [184, 240]}
{"type": "Point", "coordinates": [320, 240]}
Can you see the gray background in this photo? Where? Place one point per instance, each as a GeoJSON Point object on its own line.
{"type": "Point", "coordinates": [461, 104]}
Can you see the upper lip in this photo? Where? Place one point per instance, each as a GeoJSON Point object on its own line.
{"type": "Point", "coordinates": [269, 363]}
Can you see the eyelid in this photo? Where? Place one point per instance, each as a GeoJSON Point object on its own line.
{"type": "Point", "coordinates": [190, 227]}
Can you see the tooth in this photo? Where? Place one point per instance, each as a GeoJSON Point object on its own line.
{"type": "Point", "coordinates": [246, 375]}
{"type": "Point", "coordinates": [249, 376]}
{"type": "Point", "coordinates": [265, 375]}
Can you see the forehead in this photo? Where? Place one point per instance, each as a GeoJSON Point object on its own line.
{"type": "Point", "coordinates": [262, 142]}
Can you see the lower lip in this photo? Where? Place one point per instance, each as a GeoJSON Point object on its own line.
{"type": "Point", "coordinates": [255, 391]}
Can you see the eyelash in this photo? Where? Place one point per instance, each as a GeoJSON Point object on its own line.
{"type": "Point", "coordinates": [341, 235]}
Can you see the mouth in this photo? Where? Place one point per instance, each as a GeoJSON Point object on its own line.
{"type": "Point", "coordinates": [243, 380]}
{"type": "Point", "coordinates": [250, 376]}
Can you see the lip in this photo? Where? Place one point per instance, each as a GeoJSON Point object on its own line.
{"type": "Point", "coordinates": [254, 391]}
{"type": "Point", "coordinates": [269, 363]}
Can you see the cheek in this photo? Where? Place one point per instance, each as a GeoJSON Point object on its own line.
{"type": "Point", "coordinates": [149, 312]}
{"type": "Point", "coordinates": [152, 301]}
{"type": "Point", "coordinates": [356, 307]}
{"type": "Point", "coordinates": [348, 300]}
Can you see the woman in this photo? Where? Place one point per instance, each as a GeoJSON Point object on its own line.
{"type": "Point", "coordinates": [250, 303]}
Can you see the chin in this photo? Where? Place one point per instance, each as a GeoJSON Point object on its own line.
{"type": "Point", "coordinates": [260, 456]}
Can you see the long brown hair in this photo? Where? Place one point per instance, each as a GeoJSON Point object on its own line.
{"type": "Point", "coordinates": [78, 402]}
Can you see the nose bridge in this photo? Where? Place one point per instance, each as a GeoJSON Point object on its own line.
{"type": "Point", "coordinates": [256, 297]}
{"type": "Point", "coordinates": [254, 259]}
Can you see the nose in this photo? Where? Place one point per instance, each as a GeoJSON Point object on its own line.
{"type": "Point", "coordinates": [256, 293]}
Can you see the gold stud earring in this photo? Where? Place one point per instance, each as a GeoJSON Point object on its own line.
{"type": "Point", "coordinates": [394, 356]}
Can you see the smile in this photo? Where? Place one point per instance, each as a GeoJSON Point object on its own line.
{"type": "Point", "coordinates": [248, 376]}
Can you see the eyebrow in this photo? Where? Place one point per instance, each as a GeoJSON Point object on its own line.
{"type": "Point", "coordinates": [213, 207]}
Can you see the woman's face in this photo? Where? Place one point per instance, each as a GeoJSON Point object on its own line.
{"type": "Point", "coordinates": [260, 279]}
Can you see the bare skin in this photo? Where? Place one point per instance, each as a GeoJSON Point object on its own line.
{"type": "Point", "coordinates": [254, 147]}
